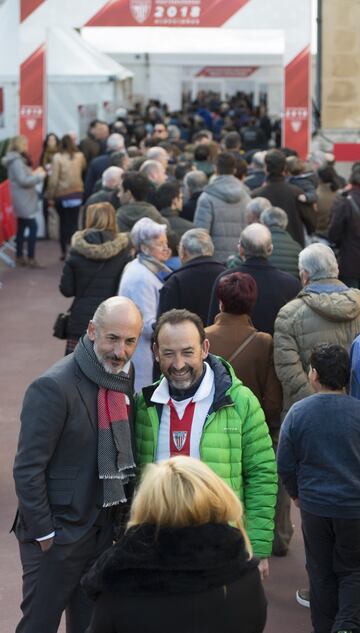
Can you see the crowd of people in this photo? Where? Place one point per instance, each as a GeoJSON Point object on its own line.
{"type": "Point", "coordinates": [216, 297]}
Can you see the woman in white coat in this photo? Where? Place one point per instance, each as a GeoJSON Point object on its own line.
{"type": "Point", "coordinates": [141, 281]}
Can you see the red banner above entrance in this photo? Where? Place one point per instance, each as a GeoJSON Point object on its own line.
{"type": "Point", "coordinates": [186, 13]}
{"type": "Point", "coordinates": [227, 71]}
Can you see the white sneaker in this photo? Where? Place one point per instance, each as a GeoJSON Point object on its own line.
{"type": "Point", "coordinates": [303, 597]}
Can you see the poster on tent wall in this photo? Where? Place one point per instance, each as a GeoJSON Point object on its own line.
{"type": "Point", "coordinates": [32, 99]}
{"type": "Point", "coordinates": [87, 113]}
{"type": "Point", "coordinates": [2, 108]}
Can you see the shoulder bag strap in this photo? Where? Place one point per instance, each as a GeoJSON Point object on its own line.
{"type": "Point", "coordinates": [354, 204]}
{"type": "Point", "coordinates": [241, 347]}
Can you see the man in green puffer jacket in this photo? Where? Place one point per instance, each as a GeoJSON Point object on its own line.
{"type": "Point", "coordinates": [199, 408]}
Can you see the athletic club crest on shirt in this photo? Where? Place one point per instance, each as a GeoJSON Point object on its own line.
{"type": "Point", "coordinates": [140, 10]}
{"type": "Point", "coordinates": [179, 439]}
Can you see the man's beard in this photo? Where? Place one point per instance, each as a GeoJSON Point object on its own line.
{"type": "Point", "coordinates": [107, 367]}
{"type": "Point", "coordinates": [181, 379]}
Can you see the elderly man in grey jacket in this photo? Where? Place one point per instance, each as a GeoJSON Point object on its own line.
{"type": "Point", "coordinates": [222, 206]}
{"type": "Point", "coordinates": [325, 311]}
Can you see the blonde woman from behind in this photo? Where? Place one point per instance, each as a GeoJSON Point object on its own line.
{"type": "Point", "coordinates": [184, 562]}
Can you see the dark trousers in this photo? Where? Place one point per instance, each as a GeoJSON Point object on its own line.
{"type": "Point", "coordinates": [51, 581]}
{"type": "Point", "coordinates": [22, 225]}
{"type": "Point", "coordinates": [45, 207]}
{"type": "Point", "coordinates": [332, 548]}
{"type": "Point", "coordinates": [68, 224]}
{"type": "Point", "coordinates": [283, 525]}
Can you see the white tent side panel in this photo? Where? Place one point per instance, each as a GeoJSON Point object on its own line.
{"type": "Point", "coordinates": [66, 99]}
{"type": "Point", "coordinates": [9, 68]}
{"type": "Point", "coordinates": [9, 119]}
{"type": "Point", "coordinates": [83, 83]}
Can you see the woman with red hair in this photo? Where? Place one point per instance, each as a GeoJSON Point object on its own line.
{"type": "Point", "coordinates": [250, 352]}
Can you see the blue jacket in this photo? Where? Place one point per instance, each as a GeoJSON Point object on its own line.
{"type": "Point", "coordinates": [319, 455]}
{"type": "Point", "coordinates": [355, 368]}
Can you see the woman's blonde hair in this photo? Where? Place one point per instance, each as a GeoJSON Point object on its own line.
{"type": "Point", "coordinates": [101, 216]}
{"type": "Point", "coordinates": [182, 491]}
{"type": "Point", "coordinates": [18, 144]}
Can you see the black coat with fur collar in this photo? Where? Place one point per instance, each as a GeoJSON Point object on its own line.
{"type": "Point", "coordinates": [184, 580]}
{"type": "Point", "coordinates": [92, 272]}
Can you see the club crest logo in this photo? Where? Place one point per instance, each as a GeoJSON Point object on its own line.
{"type": "Point", "coordinates": [140, 10]}
{"type": "Point", "coordinates": [296, 125]}
{"type": "Point", "coordinates": [31, 114]}
{"type": "Point", "coordinates": [179, 439]}
{"type": "Point", "coordinates": [296, 116]}
{"type": "Point", "coordinates": [30, 124]}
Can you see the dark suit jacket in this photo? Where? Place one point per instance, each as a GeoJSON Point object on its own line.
{"type": "Point", "coordinates": [95, 171]}
{"type": "Point", "coordinates": [56, 467]}
{"type": "Point", "coordinates": [275, 288]}
{"type": "Point", "coordinates": [283, 195]}
{"type": "Point", "coordinates": [189, 208]}
{"type": "Point", "coordinates": [190, 286]}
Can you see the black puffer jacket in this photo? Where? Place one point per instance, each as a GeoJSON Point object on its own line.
{"type": "Point", "coordinates": [181, 580]}
{"type": "Point", "coordinates": [91, 273]}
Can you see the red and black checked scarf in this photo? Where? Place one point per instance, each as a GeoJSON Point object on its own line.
{"type": "Point", "coordinates": [115, 457]}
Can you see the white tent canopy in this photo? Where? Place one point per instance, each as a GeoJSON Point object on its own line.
{"type": "Point", "coordinates": [70, 56]}
{"type": "Point", "coordinates": [83, 83]}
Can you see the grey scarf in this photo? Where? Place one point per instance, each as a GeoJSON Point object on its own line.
{"type": "Point", "coordinates": [153, 264]}
{"type": "Point", "coordinates": [115, 457]}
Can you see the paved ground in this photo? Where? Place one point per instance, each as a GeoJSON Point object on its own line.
{"type": "Point", "coordinates": [29, 303]}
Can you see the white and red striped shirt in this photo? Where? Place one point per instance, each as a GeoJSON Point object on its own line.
{"type": "Point", "coordinates": [171, 437]}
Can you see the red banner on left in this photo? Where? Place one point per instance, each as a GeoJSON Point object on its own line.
{"type": "Point", "coordinates": [32, 101]}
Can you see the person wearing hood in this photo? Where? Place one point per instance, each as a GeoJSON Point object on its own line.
{"type": "Point", "coordinates": [179, 562]}
{"type": "Point", "coordinates": [325, 311]}
{"type": "Point", "coordinates": [221, 206]}
{"type": "Point", "coordinates": [24, 197]}
{"type": "Point", "coordinates": [93, 267]}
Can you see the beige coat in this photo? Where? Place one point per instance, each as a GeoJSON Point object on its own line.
{"type": "Point", "coordinates": [254, 365]}
{"type": "Point", "coordinates": [314, 317]}
{"type": "Point", "coordinates": [66, 175]}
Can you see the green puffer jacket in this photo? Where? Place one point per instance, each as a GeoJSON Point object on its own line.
{"type": "Point", "coordinates": [235, 444]}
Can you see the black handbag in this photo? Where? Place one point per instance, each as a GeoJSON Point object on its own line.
{"type": "Point", "coordinates": [61, 324]}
